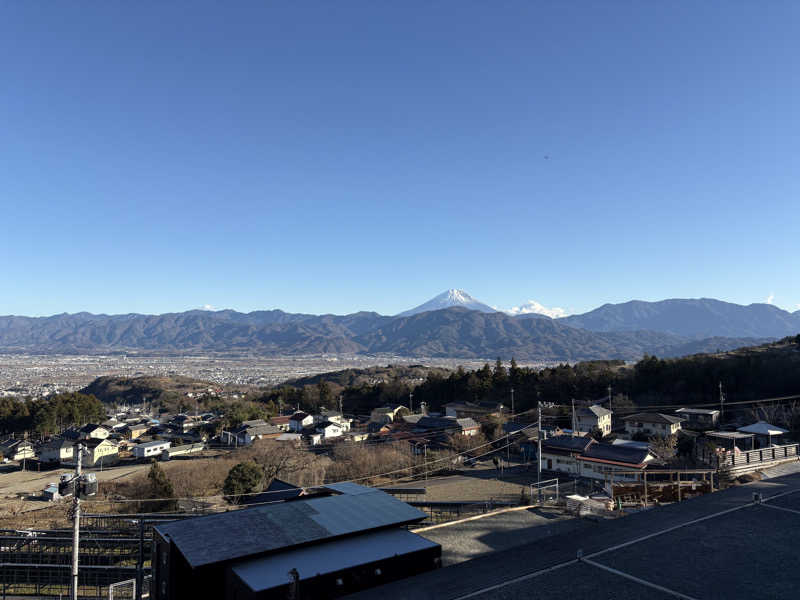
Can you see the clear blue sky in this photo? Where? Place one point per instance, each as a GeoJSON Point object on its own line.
{"type": "Point", "coordinates": [340, 156]}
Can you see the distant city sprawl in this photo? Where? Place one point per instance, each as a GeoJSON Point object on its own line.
{"type": "Point", "coordinates": [37, 375]}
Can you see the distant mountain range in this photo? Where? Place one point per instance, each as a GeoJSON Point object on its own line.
{"type": "Point", "coordinates": [452, 324]}
{"type": "Point", "coordinates": [699, 318]}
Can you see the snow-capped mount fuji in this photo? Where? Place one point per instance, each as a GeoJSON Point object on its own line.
{"type": "Point", "coordinates": [449, 299]}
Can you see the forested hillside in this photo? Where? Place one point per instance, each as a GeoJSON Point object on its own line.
{"type": "Point", "coordinates": [746, 374]}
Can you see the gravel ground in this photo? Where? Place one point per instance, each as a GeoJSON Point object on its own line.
{"type": "Point", "coordinates": [476, 484]}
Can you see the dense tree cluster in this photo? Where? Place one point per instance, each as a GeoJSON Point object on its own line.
{"type": "Point", "coordinates": [750, 374]}
{"type": "Point", "coordinates": [49, 415]}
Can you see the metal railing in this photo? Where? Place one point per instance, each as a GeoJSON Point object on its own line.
{"type": "Point", "coordinates": [760, 456]}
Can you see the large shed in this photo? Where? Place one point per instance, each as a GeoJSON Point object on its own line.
{"type": "Point", "coordinates": [348, 538]}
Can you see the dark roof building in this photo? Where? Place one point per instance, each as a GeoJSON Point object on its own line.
{"type": "Point", "coordinates": [659, 418]}
{"type": "Point", "coordinates": [277, 491]}
{"type": "Point", "coordinates": [623, 456]}
{"type": "Point", "coordinates": [699, 418]}
{"type": "Point", "coordinates": [350, 539]}
{"type": "Point", "coordinates": [257, 428]}
{"type": "Point", "coordinates": [461, 425]}
{"type": "Point", "coordinates": [567, 444]}
{"type": "Point", "coordinates": [472, 409]}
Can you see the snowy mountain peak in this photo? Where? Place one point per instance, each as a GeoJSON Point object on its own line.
{"type": "Point", "coordinates": [456, 296]}
{"type": "Point", "coordinates": [448, 299]}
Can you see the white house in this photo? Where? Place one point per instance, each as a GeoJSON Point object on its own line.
{"type": "Point", "coordinates": [561, 453]}
{"type": "Point", "coordinates": [299, 421]}
{"type": "Point", "coordinates": [249, 431]}
{"type": "Point", "coordinates": [100, 452]}
{"type": "Point", "coordinates": [57, 450]}
{"type": "Point", "coordinates": [613, 462]}
{"type": "Point", "coordinates": [16, 449]}
{"type": "Point", "coordinates": [594, 416]}
{"type": "Point", "coordinates": [652, 424]}
{"type": "Point", "coordinates": [94, 432]}
{"type": "Point", "coordinates": [329, 429]}
{"type": "Point", "coordinates": [334, 417]}
{"type": "Point", "coordinates": [150, 449]}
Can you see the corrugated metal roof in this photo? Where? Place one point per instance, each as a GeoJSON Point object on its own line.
{"type": "Point", "coordinates": [697, 411]}
{"type": "Point", "coordinates": [763, 428]}
{"type": "Point", "coordinates": [594, 410]}
{"type": "Point", "coordinates": [242, 533]}
{"type": "Point", "coordinates": [268, 572]}
{"type": "Point", "coordinates": [730, 435]}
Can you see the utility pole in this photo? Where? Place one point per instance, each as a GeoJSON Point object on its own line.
{"type": "Point", "coordinates": [512, 402]}
{"type": "Point", "coordinates": [76, 526]}
{"type": "Point", "coordinates": [721, 403]}
{"type": "Point", "coordinates": [539, 452]}
{"type": "Point", "coordinates": [609, 397]}
{"type": "Point", "coordinates": [340, 405]}
{"type": "Point", "coordinates": [425, 461]}
{"type": "Point", "coordinates": [573, 417]}
{"type": "Point", "coordinates": [411, 402]}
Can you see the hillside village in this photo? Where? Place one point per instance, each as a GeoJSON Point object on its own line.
{"type": "Point", "coordinates": [601, 448]}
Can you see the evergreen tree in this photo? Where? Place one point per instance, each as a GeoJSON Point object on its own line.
{"type": "Point", "coordinates": [243, 478]}
{"type": "Point", "coordinates": [514, 372]}
{"type": "Point", "coordinates": [324, 393]}
{"type": "Point", "coordinates": [499, 376]}
{"type": "Point", "coordinates": [160, 487]}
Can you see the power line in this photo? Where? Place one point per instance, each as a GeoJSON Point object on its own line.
{"type": "Point", "coordinates": [365, 477]}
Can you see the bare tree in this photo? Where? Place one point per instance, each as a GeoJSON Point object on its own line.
{"type": "Point", "coordinates": [280, 460]}
{"type": "Point", "coordinates": [664, 447]}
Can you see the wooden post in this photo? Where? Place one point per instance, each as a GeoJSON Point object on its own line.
{"type": "Point", "coordinates": [645, 488]}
